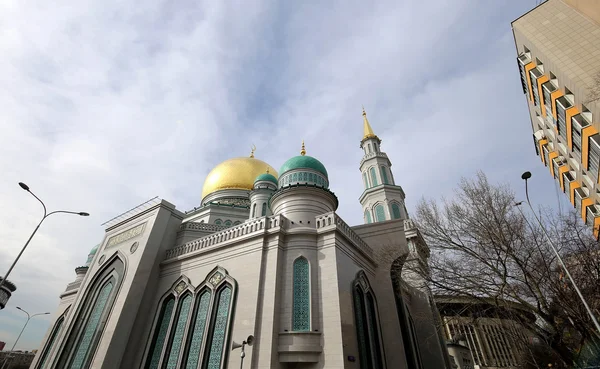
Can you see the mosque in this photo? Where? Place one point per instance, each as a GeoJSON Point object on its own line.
{"type": "Point", "coordinates": [263, 255]}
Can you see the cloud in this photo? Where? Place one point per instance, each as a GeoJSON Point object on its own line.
{"type": "Point", "coordinates": [107, 104]}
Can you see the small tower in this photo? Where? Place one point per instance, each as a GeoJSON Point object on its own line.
{"type": "Point", "coordinates": [303, 190]}
{"type": "Point", "coordinates": [264, 186]}
{"type": "Point", "coordinates": [381, 199]}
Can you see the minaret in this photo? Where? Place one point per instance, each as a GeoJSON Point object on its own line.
{"type": "Point", "coordinates": [382, 199]}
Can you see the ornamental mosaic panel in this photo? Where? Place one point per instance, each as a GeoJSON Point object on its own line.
{"type": "Point", "coordinates": [159, 340]}
{"type": "Point", "coordinates": [179, 330]}
{"type": "Point", "coordinates": [215, 279]}
{"type": "Point", "coordinates": [301, 304]}
{"type": "Point", "coordinates": [125, 235]}
{"type": "Point", "coordinates": [90, 327]}
{"type": "Point", "coordinates": [180, 286]}
{"type": "Point", "coordinates": [198, 331]}
{"type": "Point", "coordinates": [219, 330]}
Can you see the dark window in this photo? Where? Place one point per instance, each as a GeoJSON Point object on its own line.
{"type": "Point", "coordinates": [594, 156]}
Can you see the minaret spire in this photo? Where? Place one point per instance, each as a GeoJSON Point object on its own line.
{"type": "Point", "coordinates": [303, 151]}
{"type": "Point", "coordinates": [368, 131]}
{"type": "Point", "coordinates": [252, 150]}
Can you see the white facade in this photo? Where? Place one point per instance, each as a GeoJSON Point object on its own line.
{"type": "Point", "coordinates": [167, 289]}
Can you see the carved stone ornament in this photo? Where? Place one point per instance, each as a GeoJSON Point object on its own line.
{"type": "Point", "coordinates": [134, 247]}
{"type": "Point", "coordinates": [180, 287]}
{"type": "Point", "coordinates": [215, 279]}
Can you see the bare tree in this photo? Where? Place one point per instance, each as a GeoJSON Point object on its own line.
{"type": "Point", "coordinates": [482, 247]}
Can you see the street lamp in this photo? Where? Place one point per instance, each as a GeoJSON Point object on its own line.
{"type": "Point", "coordinates": [17, 340]}
{"type": "Point", "coordinates": [46, 215]}
{"type": "Point", "coordinates": [249, 341]}
{"type": "Point", "coordinates": [525, 176]}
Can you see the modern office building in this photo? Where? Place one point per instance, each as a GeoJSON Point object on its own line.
{"type": "Point", "coordinates": [493, 333]}
{"type": "Point", "coordinates": [558, 46]}
{"type": "Point", "coordinates": [262, 254]}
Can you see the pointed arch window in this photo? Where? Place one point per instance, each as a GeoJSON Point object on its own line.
{"type": "Point", "coordinates": [367, 324]}
{"type": "Point", "coordinates": [366, 180]}
{"type": "Point", "coordinates": [85, 343]}
{"type": "Point", "coordinates": [396, 211]}
{"type": "Point", "coordinates": [161, 333]}
{"type": "Point", "coordinates": [373, 176]}
{"type": "Point", "coordinates": [197, 334]}
{"type": "Point", "coordinates": [379, 213]}
{"type": "Point", "coordinates": [219, 329]}
{"type": "Point", "coordinates": [218, 222]}
{"type": "Point", "coordinates": [368, 217]}
{"type": "Point", "coordinates": [91, 317]}
{"type": "Point", "coordinates": [193, 330]}
{"type": "Point", "coordinates": [51, 340]}
{"type": "Point", "coordinates": [228, 223]}
{"type": "Point", "coordinates": [264, 209]}
{"type": "Point", "coordinates": [254, 211]}
{"type": "Point", "coordinates": [301, 296]}
{"type": "Point", "coordinates": [177, 336]}
{"type": "Point", "coordinates": [384, 177]}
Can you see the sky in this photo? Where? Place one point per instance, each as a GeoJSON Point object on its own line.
{"type": "Point", "coordinates": [106, 104]}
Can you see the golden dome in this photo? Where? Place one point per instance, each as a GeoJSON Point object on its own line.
{"type": "Point", "coordinates": [236, 173]}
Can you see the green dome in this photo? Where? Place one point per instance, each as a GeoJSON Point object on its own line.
{"type": "Point", "coordinates": [266, 177]}
{"type": "Point", "coordinates": [303, 162]}
{"type": "Point", "coordinates": [91, 255]}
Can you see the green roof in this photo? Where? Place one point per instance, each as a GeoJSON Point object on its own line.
{"type": "Point", "coordinates": [91, 255]}
{"type": "Point", "coordinates": [266, 177]}
{"type": "Point", "coordinates": [303, 161]}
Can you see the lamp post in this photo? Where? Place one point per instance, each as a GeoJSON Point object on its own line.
{"type": "Point", "coordinates": [46, 215]}
{"type": "Point", "coordinates": [19, 336]}
{"type": "Point", "coordinates": [249, 341]}
{"type": "Point", "coordinates": [525, 176]}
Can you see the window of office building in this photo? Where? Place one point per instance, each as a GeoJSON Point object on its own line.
{"type": "Point", "coordinates": [534, 74]}
{"type": "Point", "coordinates": [594, 156]}
{"type": "Point", "coordinates": [578, 122]}
{"type": "Point", "coordinates": [562, 104]}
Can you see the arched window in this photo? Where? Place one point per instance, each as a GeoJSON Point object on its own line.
{"type": "Point", "coordinates": [384, 177]}
{"type": "Point", "coordinates": [91, 317]}
{"type": "Point", "coordinates": [83, 346]}
{"type": "Point", "coordinates": [379, 213]}
{"type": "Point", "coordinates": [219, 326]}
{"type": "Point", "coordinates": [264, 209]}
{"type": "Point", "coordinates": [162, 326]}
{"type": "Point", "coordinates": [301, 296]}
{"type": "Point", "coordinates": [368, 217]}
{"type": "Point", "coordinates": [373, 177]}
{"type": "Point", "coordinates": [51, 339]}
{"type": "Point", "coordinates": [201, 333]}
{"type": "Point", "coordinates": [218, 222]}
{"type": "Point", "coordinates": [237, 222]}
{"type": "Point", "coordinates": [396, 211]}
{"type": "Point", "coordinates": [177, 336]}
{"type": "Point", "coordinates": [369, 148]}
{"type": "Point", "coordinates": [375, 146]}
{"type": "Point", "coordinates": [201, 316]}
{"type": "Point", "coordinates": [367, 324]}
{"type": "Point", "coordinates": [227, 223]}
{"type": "Point", "coordinates": [366, 180]}
{"type": "Point", "coordinates": [254, 211]}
